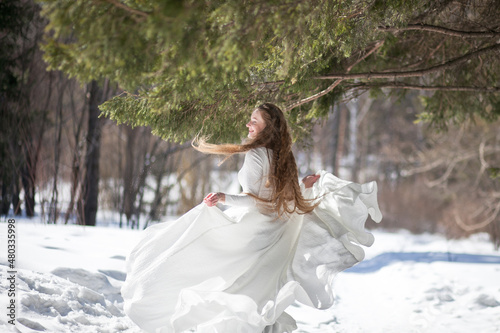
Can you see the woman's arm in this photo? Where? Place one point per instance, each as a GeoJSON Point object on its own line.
{"type": "Point", "coordinates": [251, 178]}
{"type": "Point", "coordinates": [244, 199]}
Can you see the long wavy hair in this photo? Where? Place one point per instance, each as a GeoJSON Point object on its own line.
{"type": "Point", "coordinates": [286, 197]}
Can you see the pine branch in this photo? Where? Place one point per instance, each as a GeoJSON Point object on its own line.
{"type": "Point", "coordinates": [366, 55]}
{"type": "Point", "coordinates": [117, 3]}
{"type": "Point", "coordinates": [416, 73]}
{"type": "Point", "coordinates": [445, 31]}
{"type": "Point", "coordinates": [402, 85]}
{"type": "Point", "coordinates": [336, 83]}
{"type": "Point", "coordinates": [313, 97]}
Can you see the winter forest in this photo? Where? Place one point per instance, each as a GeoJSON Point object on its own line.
{"type": "Point", "coordinates": [100, 100]}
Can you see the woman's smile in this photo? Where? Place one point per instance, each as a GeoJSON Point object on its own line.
{"type": "Point", "coordinates": [256, 124]}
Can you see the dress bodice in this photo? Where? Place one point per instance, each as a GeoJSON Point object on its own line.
{"type": "Point", "coordinates": [253, 177]}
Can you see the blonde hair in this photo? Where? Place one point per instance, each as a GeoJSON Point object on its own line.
{"type": "Point", "coordinates": [286, 197]}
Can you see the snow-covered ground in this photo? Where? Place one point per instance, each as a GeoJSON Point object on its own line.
{"type": "Point", "coordinates": [68, 280]}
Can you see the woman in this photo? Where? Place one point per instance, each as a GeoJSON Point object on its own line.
{"type": "Point", "coordinates": [237, 271]}
{"type": "Point", "coordinates": [269, 137]}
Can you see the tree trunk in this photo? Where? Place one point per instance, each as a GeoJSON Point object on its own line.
{"type": "Point", "coordinates": [28, 180]}
{"type": "Point", "coordinates": [53, 210]}
{"type": "Point", "coordinates": [118, 185]}
{"type": "Point", "coordinates": [146, 170]}
{"type": "Point", "coordinates": [155, 206]}
{"type": "Point", "coordinates": [90, 191]}
{"type": "Point", "coordinates": [334, 123]}
{"type": "Point", "coordinates": [129, 172]}
{"type": "Point", "coordinates": [76, 163]}
{"type": "Point", "coordinates": [5, 206]}
{"type": "Point", "coordinates": [341, 139]}
{"type": "Point", "coordinates": [359, 137]}
{"type": "Point", "coordinates": [353, 137]}
{"type": "Point", "coordinates": [16, 201]}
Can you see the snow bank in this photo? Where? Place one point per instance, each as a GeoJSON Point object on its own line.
{"type": "Point", "coordinates": [69, 300]}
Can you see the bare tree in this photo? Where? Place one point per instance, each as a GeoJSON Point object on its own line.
{"type": "Point", "coordinates": [90, 188]}
{"type": "Point", "coordinates": [53, 208]}
{"type": "Point", "coordinates": [76, 150]}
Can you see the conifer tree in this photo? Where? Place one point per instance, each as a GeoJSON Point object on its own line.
{"type": "Point", "coordinates": [190, 66]}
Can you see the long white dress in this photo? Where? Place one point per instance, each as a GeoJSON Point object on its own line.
{"type": "Point", "coordinates": [237, 271]}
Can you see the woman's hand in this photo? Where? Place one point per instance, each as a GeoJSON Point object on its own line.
{"type": "Point", "coordinates": [310, 180]}
{"type": "Point", "coordinates": [213, 198]}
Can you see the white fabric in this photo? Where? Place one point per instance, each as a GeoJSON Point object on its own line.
{"type": "Point", "coordinates": [238, 270]}
{"type": "Point", "coordinates": [252, 177]}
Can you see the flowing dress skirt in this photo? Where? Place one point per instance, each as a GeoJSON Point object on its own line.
{"type": "Point", "coordinates": [238, 270]}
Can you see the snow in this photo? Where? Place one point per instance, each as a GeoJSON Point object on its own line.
{"type": "Point", "coordinates": [68, 280]}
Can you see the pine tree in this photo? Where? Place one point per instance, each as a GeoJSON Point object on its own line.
{"type": "Point", "coordinates": [190, 66]}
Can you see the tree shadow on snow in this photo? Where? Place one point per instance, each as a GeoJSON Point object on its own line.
{"type": "Point", "coordinates": [385, 259]}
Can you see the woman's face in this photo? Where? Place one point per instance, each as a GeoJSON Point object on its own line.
{"type": "Point", "coordinates": [256, 124]}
